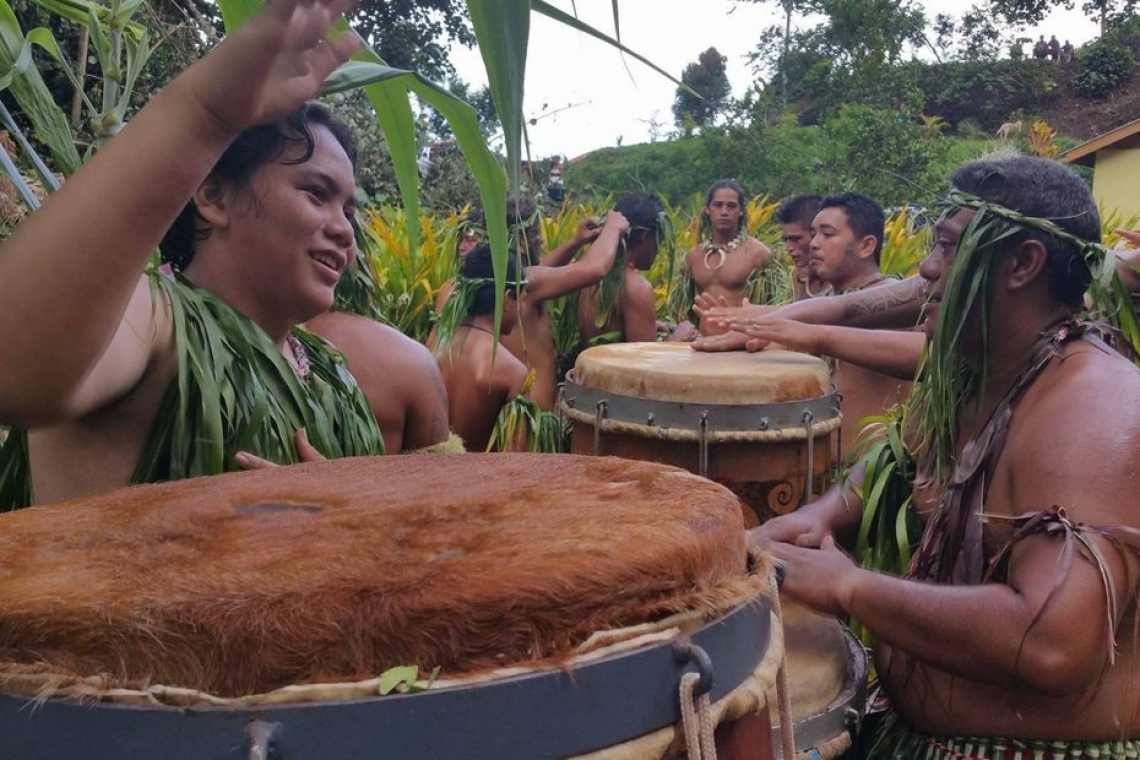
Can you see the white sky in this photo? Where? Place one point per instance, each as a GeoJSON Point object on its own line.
{"type": "Point", "coordinates": [579, 90]}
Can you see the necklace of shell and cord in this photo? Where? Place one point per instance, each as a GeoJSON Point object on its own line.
{"type": "Point", "coordinates": [722, 251]}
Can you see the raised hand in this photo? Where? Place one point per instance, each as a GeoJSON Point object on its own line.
{"type": "Point", "coordinates": [588, 230]}
{"type": "Point", "coordinates": [271, 65]}
{"type": "Point", "coordinates": [615, 220]}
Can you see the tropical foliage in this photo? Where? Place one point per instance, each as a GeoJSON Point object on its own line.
{"type": "Point", "coordinates": [706, 92]}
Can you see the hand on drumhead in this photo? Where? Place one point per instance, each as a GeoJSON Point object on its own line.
{"type": "Point", "coordinates": [684, 332]}
{"type": "Point", "coordinates": [714, 312]}
{"type": "Point", "coordinates": [269, 66]}
{"type": "Point", "coordinates": [729, 341]}
{"type": "Point", "coordinates": [822, 578]}
{"type": "Point", "coordinates": [789, 333]}
{"type": "Point", "coordinates": [801, 528]}
{"type": "Point", "coordinates": [306, 452]}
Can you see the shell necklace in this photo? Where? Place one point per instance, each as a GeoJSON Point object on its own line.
{"type": "Point", "coordinates": [722, 251]}
{"type": "Point", "coordinates": [300, 364]}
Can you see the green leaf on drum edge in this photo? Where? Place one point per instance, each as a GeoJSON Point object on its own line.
{"type": "Point", "coordinates": [393, 678]}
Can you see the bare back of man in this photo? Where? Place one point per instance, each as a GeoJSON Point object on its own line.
{"type": "Point", "coordinates": [1054, 456]}
{"type": "Point", "coordinates": [532, 342]}
{"type": "Point", "coordinates": [478, 385]}
{"type": "Point", "coordinates": [633, 320]}
{"type": "Point", "coordinates": [398, 376]}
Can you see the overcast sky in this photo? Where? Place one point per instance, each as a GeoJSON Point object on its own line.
{"type": "Point", "coordinates": [583, 97]}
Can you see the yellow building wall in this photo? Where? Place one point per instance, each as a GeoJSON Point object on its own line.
{"type": "Point", "coordinates": [1116, 182]}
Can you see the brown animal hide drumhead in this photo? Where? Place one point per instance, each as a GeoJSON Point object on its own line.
{"type": "Point", "coordinates": [339, 570]}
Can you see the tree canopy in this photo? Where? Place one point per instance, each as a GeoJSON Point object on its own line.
{"type": "Point", "coordinates": [708, 78]}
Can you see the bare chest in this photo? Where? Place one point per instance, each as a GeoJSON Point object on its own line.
{"type": "Point", "coordinates": [730, 270]}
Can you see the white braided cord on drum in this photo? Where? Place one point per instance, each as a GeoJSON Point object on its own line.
{"type": "Point", "coordinates": [818, 429]}
{"type": "Point", "coordinates": [696, 721]}
{"type": "Point", "coordinates": [783, 693]}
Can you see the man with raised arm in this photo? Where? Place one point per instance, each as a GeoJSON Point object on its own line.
{"type": "Point", "coordinates": [479, 379]}
{"type": "Point", "coordinates": [1013, 632]}
{"type": "Point", "coordinates": [533, 342]}
{"type": "Point", "coordinates": [622, 308]}
{"type": "Point", "coordinates": [115, 377]}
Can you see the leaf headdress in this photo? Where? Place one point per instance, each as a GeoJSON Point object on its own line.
{"type": "Point", "coordinates": [458, 304]}
{"type": "Point", "coordinates": [948, 382]}
{"type": "Point", "coordinates": [613, 284]}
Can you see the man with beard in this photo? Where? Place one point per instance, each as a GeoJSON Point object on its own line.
{"type": "Point", "coordinates": [1013, 632]}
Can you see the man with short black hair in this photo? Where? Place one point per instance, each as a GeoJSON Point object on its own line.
{"type": "Point", "coordinates": [846, 243]}
{"type": "Point", "coordinates": [622, 308]}
{"type": "Point", "coordinates": [1013, 633]}
{"type": "Point", "coordinates": [795, 216]}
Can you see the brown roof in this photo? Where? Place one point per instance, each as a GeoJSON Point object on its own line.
{"type": "Point", "coordinates": [1127, 136]}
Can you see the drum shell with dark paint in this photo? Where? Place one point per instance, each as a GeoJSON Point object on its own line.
{"type": "Point", "coordinates": [756, 434]}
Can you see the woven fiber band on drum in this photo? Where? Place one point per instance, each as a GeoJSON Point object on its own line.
{"type": "Point", "coordinates": [818, 429]}
{"type": "Point", "coordinates": [748, 697]}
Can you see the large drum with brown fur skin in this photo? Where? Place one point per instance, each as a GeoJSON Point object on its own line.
{"type": "Point", "coordinates": [228, 616]}
{"type": "Point", "coordinates": [763, 424]}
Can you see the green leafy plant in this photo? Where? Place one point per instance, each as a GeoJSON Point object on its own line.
{"type": "Point", "coordinates": [1102, 66]}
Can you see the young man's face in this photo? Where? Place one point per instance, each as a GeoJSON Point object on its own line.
{"type": "Point", "coordinates": [468, 241]}
{"type": "Point", "coordinates": [836, 252]}
{"type": "Point", "coordinates": [644, 250]}
{"type": "Point", "coordinates": [293, 228]}
{"type": "Point", "coordinates": [725, 212]}
{"type": "Point", "coordinates": [797, 241]}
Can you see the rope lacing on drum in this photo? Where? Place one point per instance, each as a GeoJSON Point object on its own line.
{"type": "Point", "coordinates": [809, 418]}
{"type": "Point", "coordinates": [696, 719]}
{"type": "Point", "coordinates": [783, 694]}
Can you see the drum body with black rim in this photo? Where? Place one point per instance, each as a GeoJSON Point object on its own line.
{"type": "Point", "coordinates": [763, 424]}
{"type": "Point", "coordinates": [566, 601]}
{"type": "Point", "coordinates": [827, 677]}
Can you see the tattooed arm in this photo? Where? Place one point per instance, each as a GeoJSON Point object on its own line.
{"type": "Point", "coordinates": [892, 305]}
{"type": "Point", "coordinates": [895, 304]}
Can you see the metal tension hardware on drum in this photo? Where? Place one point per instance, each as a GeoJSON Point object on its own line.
{"type": "Point", "coordinates": [762, 424]}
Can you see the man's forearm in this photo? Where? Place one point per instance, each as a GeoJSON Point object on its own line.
{"type": "Point", "coordinates": [987, 624]}
{"type": "Point", "coordinates": [894, 305]}
{"type": "Point", "coordinates": [896, 353]}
